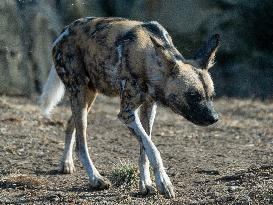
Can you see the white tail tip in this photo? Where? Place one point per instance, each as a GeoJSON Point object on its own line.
{"type": "Point", "coordinates": [53, 92]}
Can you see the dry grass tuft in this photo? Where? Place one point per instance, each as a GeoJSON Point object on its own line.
{"type": "Point", "coordinates": [125, 174]}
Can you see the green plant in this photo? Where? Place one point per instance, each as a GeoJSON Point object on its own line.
{"type": "Point", "coordinates": [124, 174]}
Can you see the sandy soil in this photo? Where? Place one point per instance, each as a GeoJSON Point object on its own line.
{"type": "Point", "coordinates": [230, 162]}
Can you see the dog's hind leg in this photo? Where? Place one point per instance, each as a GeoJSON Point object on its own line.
{"type": "Point", "coordinates": [67, 164]}
{"type": "Point", "coordinates": [147, 116]}
{"type": "Point", "coordinates": [81, 102]}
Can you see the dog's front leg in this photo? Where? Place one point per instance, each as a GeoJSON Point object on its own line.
{"type": "Point", "coordinates": [147, 115]}
{"type": "Point", "coordinates": [129, 116]}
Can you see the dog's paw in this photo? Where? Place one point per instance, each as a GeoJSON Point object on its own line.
{"type": "Point", "coordinates": [164, 185]}
{"type": "Point", "coordinates": [67, 168]}
{"type": "Point", "coordinates": [146, 188]}
{"type": "Point", "coordinates": [100, 183]}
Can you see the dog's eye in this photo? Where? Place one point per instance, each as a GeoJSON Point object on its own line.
{"type": "Point", "coordinates": [194, 96]}
{"type": "Point", "coordinates": [173, 97]}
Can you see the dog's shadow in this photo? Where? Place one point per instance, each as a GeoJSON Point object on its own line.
{"type": "Point", "coordinates": [48, 172]}
{"type": "Point", "coordinates": [84, 188]}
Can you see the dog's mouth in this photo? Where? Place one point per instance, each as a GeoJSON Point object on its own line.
{"type": "Point", "coordinates": [185, 114]}
{"type": "Point", "coordinates": [190, 116]}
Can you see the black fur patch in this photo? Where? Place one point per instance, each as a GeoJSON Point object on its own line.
{"type": "Point", "coordinates": [86, 29]}
{"type": "Point", "coordinates": [129, 36]}
{"type": "Point", "coordinates": [179, 57]}
{"type": "Point", "coordinates": [102, 25]}
{"type": "Point", "coordinates": [154, 29]}
{"type": "Point", "coordinates": [99, 27]}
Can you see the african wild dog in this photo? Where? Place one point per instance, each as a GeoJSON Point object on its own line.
{"type": "Point", "coordinates": [138, 62]}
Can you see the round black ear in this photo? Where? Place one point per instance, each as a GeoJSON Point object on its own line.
{"type": "Point", "coordinates": [205, 56]}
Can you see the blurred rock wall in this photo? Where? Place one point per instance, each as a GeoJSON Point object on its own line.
{"type": "Point", "coordinates": [244, 63]}
{"type": "Point", "coordinates": [27, 31]}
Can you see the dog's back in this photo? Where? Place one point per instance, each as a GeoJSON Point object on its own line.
{"type": "Point", "coordinates": [93, 45]}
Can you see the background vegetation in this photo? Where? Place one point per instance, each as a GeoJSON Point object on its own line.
{"type": "Point", "coordinates": [244, 63]}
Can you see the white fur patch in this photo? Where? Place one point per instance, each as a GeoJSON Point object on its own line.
{"type": "Point", "coordinates": [53, 92]}
{"type": "Point", "coordinates": [59, 56]}
{"type": "Point", "coordinates": [113, 70]}
{"type": "Point", "coordinates": [68, 148]}
{"type": "Point", "coordinates": [152, 117]}
{"type": "Point", "coordinates": [63, 34]}
{"type": "Point", "coordinates": [89, 17]}
{"type": "Point", "coordinates": [150, 149]}
{"type": "Point", "coordinates": [165, 34]}
{"type": "Point", "coordinates": [155, 22]}
{"type": "Point", "coordinates": [123, 82]}
{"type": "Point", "coordinates": [162, 180]}
{"type": "Point", "coordinates": [211, 62]}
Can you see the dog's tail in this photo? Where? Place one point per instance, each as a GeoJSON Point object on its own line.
{"type": "Point", "coordinates": [53, 92]}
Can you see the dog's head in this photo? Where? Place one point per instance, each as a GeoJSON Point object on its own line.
{"type": "Point", "coordinates": [188, 89]}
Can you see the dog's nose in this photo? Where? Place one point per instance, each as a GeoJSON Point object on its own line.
{"type": "Point", "coordinates": [214, 118]}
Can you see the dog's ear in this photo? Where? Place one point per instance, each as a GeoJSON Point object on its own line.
{"type": "Point", "coordinates": [165, 53]}
{"type": "Point", "coordinates": [205, 56]}
{"type": "Point", "coordinates": [161, 49]}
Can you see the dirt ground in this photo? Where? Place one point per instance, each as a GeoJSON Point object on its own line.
{"type": "Point", "coordinates": [230, 162]}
